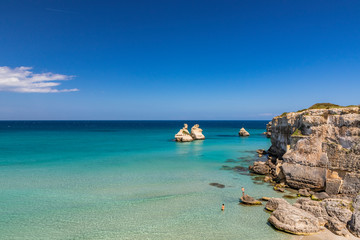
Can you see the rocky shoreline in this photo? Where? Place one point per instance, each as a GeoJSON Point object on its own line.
{"type": "Point", "coordinates": [315, 151]}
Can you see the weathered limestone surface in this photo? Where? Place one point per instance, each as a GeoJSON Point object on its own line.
{"type": "Point", "coordinates": [315, 143]}
{"type": "Point", "coordinates": [307, 216]}
{"type": "Point", "coordinates": [354, 224]}
{"type": "Point", "coordinates": [294, 220]}
{"type": "Point", "coordinates": [183, 135]}
{"type": "Point", "coordinates": [196, 132]}
{"type": "Point", "coordinates": [243, 133]}
{"type": "Point", "coordinates": [260, 168]}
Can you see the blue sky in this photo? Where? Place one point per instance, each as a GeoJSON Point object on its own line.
{"type": "Point", "coordinates": [123, 60]}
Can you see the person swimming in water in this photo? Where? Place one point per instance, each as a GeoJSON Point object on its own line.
{"type": "Point", "coordinates": [223, 207]}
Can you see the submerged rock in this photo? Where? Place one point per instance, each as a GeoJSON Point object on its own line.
{"type": "Point", "coordinates": [243, 133]}
{"type": "Point", "coordinates": [218, 185]}
{"type": "Point", "coordinates": [183, 135]}
{"type": "Point", "coordinates": [196, 133]}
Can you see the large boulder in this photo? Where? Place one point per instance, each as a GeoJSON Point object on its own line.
{"type": "Point", "coordinates": [243, 133]}
{"type": "Point", "coordinates": [319, 196]}
{"type": "Point", "coordinates": [183, 135]}
{"type": "Point", "coordinates": [304, 192]}
{"type": "Point", "coordinates": [354, 224]}
{"type": "Point", "coordinates": [338, 208]}
{"type": "Point", "coordinates": [294, 220]}
{"type": "Point", "coordinates": [246, 199]}
{"type": "Point", "coordinates": [260, 168]}
{"type": "Point", "coordinates": [298, 176]}
{"type": "Point", "coordinates": [333, 186]}
{"type": "Point", "coordinates": [274, 203]}
{"type": "Point", "coordinates": [314, 207]}
{"type": "Point", "coordinates": [196, 133]}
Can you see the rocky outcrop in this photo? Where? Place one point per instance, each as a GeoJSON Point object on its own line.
{"type": "Point", "coordinates": [307, 216]}
{"type": "Point", "coordinates": [319, 149]}
{"type": "Point", "coordinates": [260, 168]}
{"type": "Point", "coordinates": [246, 199]}
{"type": "Point", "coordinates": [243, 133]}
{"type": "Point", "coordinates": [268, 130]}
{"type": "Point", "coordinates": [354, 224]}
{"type": "Point", "coordinates": [196, 133]}
{"type": "Point", "coordinates": [183, 135]}
{"type": "Point", "coordinates": [274, 203]}
{"type": "Point", "coordinates": [294, 220]}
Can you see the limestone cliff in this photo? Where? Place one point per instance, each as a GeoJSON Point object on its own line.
{"type": "Point", "coordinates": [319, 148]}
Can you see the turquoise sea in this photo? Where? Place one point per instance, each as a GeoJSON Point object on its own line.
{"type": "Point", "coordinates": [129, 180]}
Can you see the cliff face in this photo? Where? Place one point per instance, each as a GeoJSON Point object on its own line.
{"type": "Point", "coordinates": [320, 149]}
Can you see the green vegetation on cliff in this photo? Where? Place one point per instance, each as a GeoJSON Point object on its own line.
{"type": "Point", "coordinates": [326, 106]}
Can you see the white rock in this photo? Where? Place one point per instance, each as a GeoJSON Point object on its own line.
{"type": "Point", "coordinates": [243, 132]}
{"type": "Point", "coordinates": [196, 133]}
{"type": "Point", "coordinates": [183, 135]}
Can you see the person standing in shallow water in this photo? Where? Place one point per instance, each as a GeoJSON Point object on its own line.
{"type": "Point", "coordinates": [243, 191]}
{"type": "Point", "coordinates": [223, 207]}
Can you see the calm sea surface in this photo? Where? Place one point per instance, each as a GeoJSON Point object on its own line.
{"type": "Point", "coordinates": [128, 180]}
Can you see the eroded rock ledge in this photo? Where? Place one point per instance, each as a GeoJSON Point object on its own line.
{"type": "Point", "coordinates": [317, 149]}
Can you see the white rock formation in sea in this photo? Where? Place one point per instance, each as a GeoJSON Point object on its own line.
{"type": "Point", "coordinates": [196, 133]}
{"type": "Point", "coordinates": [183, 135]}
{"type": "Point", "coordinates": [243, 133]}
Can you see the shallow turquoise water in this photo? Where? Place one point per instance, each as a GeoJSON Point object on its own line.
{"type": "Point", "coordinates": [128, 180]}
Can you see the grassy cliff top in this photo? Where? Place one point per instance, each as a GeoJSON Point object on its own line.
{"type": "Point", "coordinates": [322, 106]}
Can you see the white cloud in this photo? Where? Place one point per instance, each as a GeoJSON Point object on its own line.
{"type": "Point", "coordinates": [22, 79]}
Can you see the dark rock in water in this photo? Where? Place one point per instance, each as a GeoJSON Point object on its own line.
{"type": "Point", "coordinates": [259, 183]}
{"type": "Point", "coordinates": [290, 196]}
{"type": "Point", "coordinates": [260, 168]}
{"type": "Point", "coordinates": [319, 196]}
{"type": "Point", "coordinates": [218, 185]}
{"type": "Point", "coordinates": [258, 178]}
{"type": "Point", "coordinates": [249, 200]}
{"type": "Point", "coordinates": [224, 167]}
{"type": "Point", "coordinates": [294, 220]}
{"type": "Point", "coordinates": [354, 224]}
{"type": "Point", "coordinates": [240, 169]}
{"type": "Point", "coordinates": [304, 192]}
{"type": "Point", "coordinates": [274, 203]}
{"type": "Point", "coordinates": [231, 161]}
